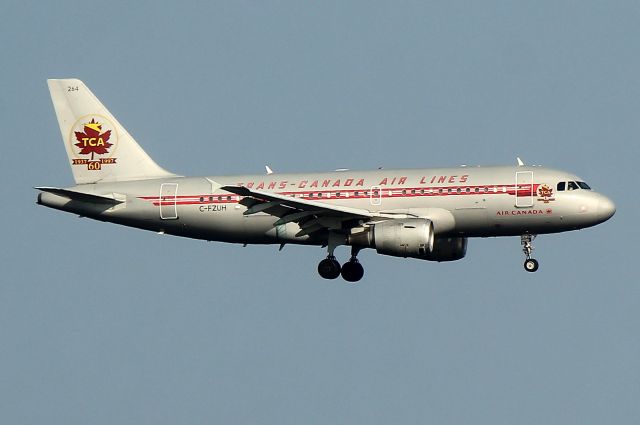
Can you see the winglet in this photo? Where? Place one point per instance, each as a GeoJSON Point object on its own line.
{"type": "Point", "coordinates": [269, 170]}
{"type": "Point", "coordinates": [520, 163]}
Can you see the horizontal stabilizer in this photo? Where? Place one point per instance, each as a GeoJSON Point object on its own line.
{"type": "Point", "coordinates": [80, 196]}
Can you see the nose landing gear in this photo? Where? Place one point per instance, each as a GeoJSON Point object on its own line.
{"type": "Point", "coordinates": [530, 264]}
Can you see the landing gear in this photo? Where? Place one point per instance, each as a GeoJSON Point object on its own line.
{"type": "Point", "coordinates": [530, 264]}
{"type": "Point", "coordinates": [329, 268]}
{"type": "Point", "coordinates": [351, 271]}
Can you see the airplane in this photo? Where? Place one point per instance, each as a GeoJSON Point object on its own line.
{"type": "Point", "coordinates": [426, 214]}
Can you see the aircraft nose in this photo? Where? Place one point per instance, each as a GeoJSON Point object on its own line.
{"type": "Point", "coordinates": [606, 208]}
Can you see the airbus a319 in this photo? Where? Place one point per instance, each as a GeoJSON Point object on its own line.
{"type": "Point", "coordinates": [426, 214]}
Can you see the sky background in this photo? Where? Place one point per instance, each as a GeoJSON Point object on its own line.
{"type": "Point", "coordinates": [101, 324]}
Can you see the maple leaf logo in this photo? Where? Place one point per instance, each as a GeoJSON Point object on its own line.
{"type": "Point", "coordinates": [545, 191]}
{"type": "Point", "coordinates": [93, 141]}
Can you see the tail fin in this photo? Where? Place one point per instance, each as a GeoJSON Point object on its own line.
{"type": "Point", "coordinates": [99, 148]}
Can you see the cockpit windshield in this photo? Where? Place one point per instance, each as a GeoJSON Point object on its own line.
{"type": "Point", "coordinates": [572, 186]}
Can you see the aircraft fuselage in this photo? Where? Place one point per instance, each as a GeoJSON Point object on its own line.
{"type": "Point", "coordinates": [471, 201]}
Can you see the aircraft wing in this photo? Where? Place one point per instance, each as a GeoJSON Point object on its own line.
{"type": "Point", "coordinates": [299, 203]}
{"type": "Point", "coordinates": [312, 216]}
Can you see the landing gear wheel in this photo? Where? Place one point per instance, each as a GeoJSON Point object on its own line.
{"type": "Point", "coordinates": [531, 265]}
{"type": "Point", "coordinates": [352, 271]}
{"type": "Point", "coordinates": [329, 268]}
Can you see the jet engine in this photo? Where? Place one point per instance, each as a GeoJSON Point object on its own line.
{"type": "Point", "coordinates": [447, 249]}
{"type": "Point", "coordinates": [412, 237]}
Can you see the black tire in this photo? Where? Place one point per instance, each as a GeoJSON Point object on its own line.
{"type": "Point", "coordinates": [329, 268]}
{"type": "Point", "coordinates": [531, 265]}
{"type": "Point", "coordinates": [352, 271]}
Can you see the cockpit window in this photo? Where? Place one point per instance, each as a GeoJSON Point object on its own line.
{"type": "Point", "coordinates": [572, 186]}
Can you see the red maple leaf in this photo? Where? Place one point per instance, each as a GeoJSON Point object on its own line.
{"type": "Point", "coordinates": [92, 140]}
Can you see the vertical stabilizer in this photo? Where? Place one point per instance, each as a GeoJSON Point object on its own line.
{"type": "Point", "coordinates": [98, 147]}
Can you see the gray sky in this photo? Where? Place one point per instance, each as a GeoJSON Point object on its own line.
{"type": "Point", "coordinates": [102, 324]}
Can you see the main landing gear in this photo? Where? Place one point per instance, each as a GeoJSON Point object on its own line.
{"type": "Point", "coordinates": [351, 271]}
{"type": "Point", "coordinates": [530, 264]}
{"type": "Point", "coordinates": [329, 268]}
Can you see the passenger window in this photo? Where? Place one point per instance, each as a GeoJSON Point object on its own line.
{"type": "Point", "coordinates": [561, 186]}
{"type": "Point", "coordinates": [572, 186]}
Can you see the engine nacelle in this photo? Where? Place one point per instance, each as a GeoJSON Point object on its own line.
{"type": "Point", "coordinates": [447, 249]}
{"type": "Point", "coordinates": [411, 237]}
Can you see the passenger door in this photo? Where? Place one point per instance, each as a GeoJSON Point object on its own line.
{"type": "Point", "coordinates": [375, 195]}
{"type": "Point", "coordinates": [524, 189]}
{"type": "Point", "coordinates": [168, 201]}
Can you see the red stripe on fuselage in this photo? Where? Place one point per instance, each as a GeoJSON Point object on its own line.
{"type": "Point", "coordinates": [520, 191]}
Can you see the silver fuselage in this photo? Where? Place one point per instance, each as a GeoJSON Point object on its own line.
{"type": "Point", "coordinates": [462, 201]}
